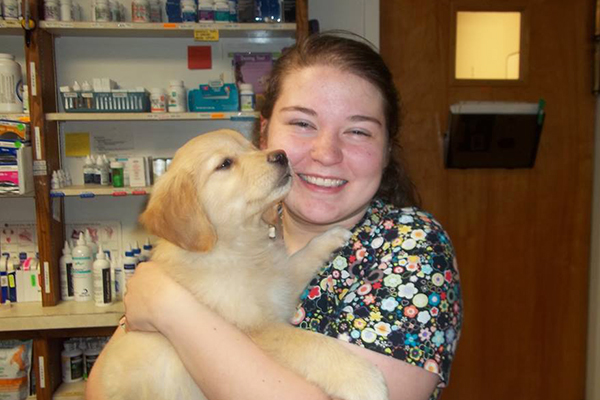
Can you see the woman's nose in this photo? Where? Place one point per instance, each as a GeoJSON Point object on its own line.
{"type": "Point", "coordinates": [326, 149]}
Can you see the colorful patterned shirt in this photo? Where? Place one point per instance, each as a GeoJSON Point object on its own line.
{"type": "Point", "coordinates": [393, 289]}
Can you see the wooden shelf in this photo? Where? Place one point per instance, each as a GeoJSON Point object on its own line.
{"type": "Point", "coordinates": [70, 391]}
{"type": "Point", "coordinates": [90, 191]}
{"type": "Point", "coordinates": [167, 29]}
{"type": "Point", "coordinates": [15, 116]}
{"type": "Point", "coordinates": [11, 28]}
{"type": "Point", "coordinates": [237, 115]}
{"type": "Point", "coordinates": [65, 315]}
{"type": "Point", "coordinates": [17, 196]}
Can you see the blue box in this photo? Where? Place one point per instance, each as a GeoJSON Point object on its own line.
{"type": "Point", "coordinates": [215, 96]}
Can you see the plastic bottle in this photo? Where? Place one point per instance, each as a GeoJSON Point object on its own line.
{"type": "Point", "coordinates": [87, 96]}
{"type": "Point", "coordinates": [137, 252]}
{"type": "Point", "coordinates": [140, 11]}
{"type": "Point", "coordinates": [117, 174]}
{"type": "Point", "coordinates": [67, 291]}
{"type": "Point", "coordinates": [206, 11]}
{"type": "Point", "coordinates": [11, 10]}
{"type": "Point", "coordinates": [109, 171]}
{"type": "Point", "coordinates": [65, 10]}
{"type": "Point", "coordinates": [89, 241]}
{"type": "Point", "coordinates": [115, 10]}
{"type": "Point", "coordinates": [55, 182]}
{"type": "Point", "coordinates": [102, 281]}
{"type": "Point", "coordinates": [221, 11]}
{"type": "Point", "coordinates": [177, 97]}
{"type": "Point", "coordinates": [247, 99]}
{"type": "Point", "coordinates": [129, 264]}
{"type": "Point", "coordinates": [72, 363]}
{"type": "Point", "coordinates": [118, 279]}
{"type": "Point", "coordinates": [146, 251]}
{"type": "Point", "coordinates": [96, 170]}
{"type": "Point", "coordinates": [88, 171]}
{"type": "Point", "coordinates": [102, 171]}
{"type": "Point", "coordinates": [189, 12]}
{"type": "Point", "coordinates": [158, 102]}
{"type": "Point", "coordinates": [102, 11]}
{"type": "Point", "coordinates": [82, 270]}
{"type": "Point", "coordinates": [11, 85]}
{"type": "Point", "coordinates": [233, 11]}
{"type": "Point", "coordinates": [90, 355]}
{"type": "Point", "coordinates": [155, 11]}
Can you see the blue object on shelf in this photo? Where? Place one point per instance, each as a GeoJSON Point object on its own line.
{"type": "Point", "coordinates": [216, 96]}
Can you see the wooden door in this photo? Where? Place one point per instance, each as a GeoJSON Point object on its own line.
{"type": "Point", "coordinates": [522, 236]}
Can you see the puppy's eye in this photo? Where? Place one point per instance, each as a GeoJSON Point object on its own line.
{"type": "Point", "coordinates": [228, 162]}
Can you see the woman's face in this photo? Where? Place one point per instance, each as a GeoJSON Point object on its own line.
{"type": "Point", "coordinates": [331, 125]}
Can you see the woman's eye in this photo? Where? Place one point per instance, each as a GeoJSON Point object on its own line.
{"type": "Point", "coordinates": [359, 132]}
{"type": "Point", "coordinates": [225, 164]}
{"type": "Point", "coordinates": [301, 124]}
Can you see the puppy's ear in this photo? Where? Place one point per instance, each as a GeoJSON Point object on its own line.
{"type": "Point", "coordinates": [175, 214]}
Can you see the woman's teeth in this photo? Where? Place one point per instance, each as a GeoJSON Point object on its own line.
{"type": "Point", "coordinates": [325, 182]}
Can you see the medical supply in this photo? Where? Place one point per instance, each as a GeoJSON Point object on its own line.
{"type": "Point", "coordinates": [102, 281]}
{"type": "Point", "coordinates": [88, 171]}
{"type": "Point", "coordinates": [67, 290]}
{"type": "Point", "coordinates": [189, 11]}
{"type": "Point", "coordinates": [158, 102]}
{"type": "Point", "coordinates": [177, 96]}
{"type": "Point", "coordinates": [117, 171]}
{"type": "Point", "coordinates": [82, 270]}
{"type": "Point", "coordinates": [206, 11]}
{"type": "Point", "coordinates": [72, 363]}
{"type": "Point", "coordinates": [233, 11]}
{"type": "Point", "coordinates": [66, 10]}
{"type": "Point", "coordinates": [247, 99]}
{"type": "Point", "coordinates": [11, 84]}
{"type": "Point", "coordinates": [155, 11]}
{"type": "Point", "coordinates": [129, 264]}
{"type": "Point", "coordinates": [216, 96]}
{"type": "Point", "coordinates": [102, 11]}
{"type": "Point", "coordinates": [221, 11]}
{"type": "Point", "coordinates": [140, 11]}
{"type": "Point", "coordinates": [10, 10]}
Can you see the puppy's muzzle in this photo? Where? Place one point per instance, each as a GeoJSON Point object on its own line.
{"type": "Point", "coordinates": [278, 157]}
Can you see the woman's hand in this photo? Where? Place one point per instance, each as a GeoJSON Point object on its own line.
{"type": "Point", "coordinates": [150, 297]}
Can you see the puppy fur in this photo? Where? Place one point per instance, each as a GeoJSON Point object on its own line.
{"type": "Point", "coordinates": [210, 210]}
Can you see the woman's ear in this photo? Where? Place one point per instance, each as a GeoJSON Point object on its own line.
{"type": "Point", "coordinates": [264, 129]}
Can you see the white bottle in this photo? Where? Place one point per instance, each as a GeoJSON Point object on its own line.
{"type": "Point", "coordinates": [102, 11]}
{"type": "Point", "coordinates": [11, 85]}
{"type": "Point", "coordinates": [91, 244]}
{"type": "Point", "coordinates": [129, 264]}
{"type": "Point", "coordinates": [102, 169]}
{"type": "Point", "coordinates": [72, 363]}
{"type": "Point", "coordinates": [55, 182]}
{"type": "Point", "coordinates": [11, 10]}
{"type": "Point", "coordinates": [66, 274]}
{"type": "Point", "coordinates": [158, 102]}
{"type": "Point", "coordinates": [246, 97]}
{"type": "Point", "coordinates": [65, 10]}
{"type": "Point", "coordinates": [88, 171]}
{"type": "Point", "coordinates": [82, 270]}
{"type": "Point", "coordinates": [177, 97]}
{"type": "Point", "coordinates": [146, 251]}
{"type": "Point", "coordinates": [102, 281]}
{"type": "Point", "coordinates": [137, 252]}
{"type": "Point", "coordinates": [189, 12]}
{"type": "Point", "coordinates": [97, 170]}
{"type": "Point", "coordinates": [206, 11]}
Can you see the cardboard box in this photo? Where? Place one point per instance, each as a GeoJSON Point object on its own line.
{"type": "Point", "coordinates": [16, 175]}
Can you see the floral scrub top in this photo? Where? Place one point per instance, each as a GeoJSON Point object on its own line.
{"type": "Point", "coordinates": [393, 289]}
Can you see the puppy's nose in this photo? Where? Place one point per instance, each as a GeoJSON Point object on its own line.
{"type": "Point", "coordinates": [277, 157]}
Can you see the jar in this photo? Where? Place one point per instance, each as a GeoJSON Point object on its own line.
{"type": "Point", "coordinates": [221, 11]}
{"type": "Point", "coordinates": [51, 10]}
{"type": "Point", "coordinates": [177, 97]}
{"type": "Point", "coordinates": [11, 10]}
{"type": "Point", "coordinates": [102, 11]}
{"type": "Point", "coordinates": [118, 174]}
{"type": "Point", "coordinates": [11, 85]}
{"type": "Point", "coordinates": [158, 102]}
{"type": "Point", "coordinates": [246, 97]}
{"type": "Point", "coordinates": [140, 11]}
{"type": "Point", "coordinates": [206, 11]}
{"type": "Point", "coordinates": [65, 10]}
{"type": "Point", "coordinates": [72, 363]}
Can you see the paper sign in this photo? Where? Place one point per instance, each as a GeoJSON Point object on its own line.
{"type": "Point", "coordinates": [206, 35]}
{"type": "Point", "coordinates": [77, 144]}
{"type": "Point", "coordinates": [199, 57]}
{"type": "Point", "coordinates": [111, 144]}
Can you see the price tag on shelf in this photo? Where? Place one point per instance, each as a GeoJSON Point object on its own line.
{"type": "Point", "coordinates": [206, 35]}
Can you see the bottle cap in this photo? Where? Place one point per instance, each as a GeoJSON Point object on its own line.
{"type": "Point", "coordinates": [116, 164]}
{"type": "Point", "coordinates": [175, 83]}
{"type": "Point", "coordinates": [246, 86]}
{"type": "Point", "coordinates": [67, 248]}
{"type": "Point", "coordinates": [81, 240]}
{"type": "Point", "coordinates": [100, 255]}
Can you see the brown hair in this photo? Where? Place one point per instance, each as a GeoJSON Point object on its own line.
{"type": "Point", "coordinates": [350, 53]}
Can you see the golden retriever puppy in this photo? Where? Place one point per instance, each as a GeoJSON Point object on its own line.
{"type": "Point", "coordinates": [209, 210]}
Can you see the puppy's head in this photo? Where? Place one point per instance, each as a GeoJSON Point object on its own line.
{"type": "Point", "coordinates": [217, 183]}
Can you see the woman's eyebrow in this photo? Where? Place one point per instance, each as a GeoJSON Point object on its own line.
{"type": "Point", "coordinates": [304, 110]}
{"type": "Point", "coordinates": [361, 118]}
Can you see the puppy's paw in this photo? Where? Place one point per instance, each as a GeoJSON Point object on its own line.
{"type": "Point", "coordinates": [369, 385]}
{"type": "Point", "coordinates": [335, 238]}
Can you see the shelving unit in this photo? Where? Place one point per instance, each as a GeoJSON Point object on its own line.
{"type": "Point", "coordinates": [49, 322]}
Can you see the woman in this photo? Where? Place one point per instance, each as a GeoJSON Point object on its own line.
{"type": "Point", "coordinates": [391, 295]}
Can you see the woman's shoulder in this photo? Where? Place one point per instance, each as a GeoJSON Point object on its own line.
{"type": "Point", "coordinates": [390, 222]}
